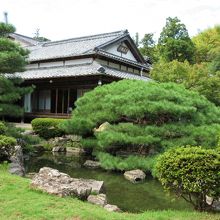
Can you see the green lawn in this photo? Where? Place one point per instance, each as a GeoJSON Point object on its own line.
{"type": "Point", "coordinates": [18, 201]}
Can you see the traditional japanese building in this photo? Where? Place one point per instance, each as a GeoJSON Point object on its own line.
{"type": "Point", "coordinates": [62, 71]}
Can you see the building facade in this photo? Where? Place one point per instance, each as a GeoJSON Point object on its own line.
{"type": "Point", "coordinates": [62, 71]}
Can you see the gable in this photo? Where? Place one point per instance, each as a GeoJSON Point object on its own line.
{"type": "Point", "coordinates": [121, 49]}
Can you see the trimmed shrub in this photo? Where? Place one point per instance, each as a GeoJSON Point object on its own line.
{"type": "Point", "coordinates": [192, 173]}
{"type": "Point", "coordinates": [47, 127]}
{"type": "Point", "coordinates": [2, 128]}
{"type": "Point", "coordinates": [6, 146]}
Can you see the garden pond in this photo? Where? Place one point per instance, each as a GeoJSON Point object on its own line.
{"type": "Point", "coordinates": [148, 195]}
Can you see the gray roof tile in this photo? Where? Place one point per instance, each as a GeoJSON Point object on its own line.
{"type": "Point", "coordinates": [77, 70]}
{"type": "Point", "coordinates": [71, 47]}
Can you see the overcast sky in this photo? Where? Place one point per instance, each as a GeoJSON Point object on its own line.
{"type": "Point", "coordinates": [61, 19]}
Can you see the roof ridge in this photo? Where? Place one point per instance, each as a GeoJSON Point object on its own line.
{"type": "Point", "coordinates": [92, 37]}
{"type": "Point", "coordinates": [24, 36]}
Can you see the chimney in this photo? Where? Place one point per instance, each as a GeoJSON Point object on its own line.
{"type": "Point", "coordinates": [6, 17]}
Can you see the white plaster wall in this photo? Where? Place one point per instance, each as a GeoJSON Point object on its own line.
{"type": "Point", "coordinates": [113, 49]}
{"type": "Point", "coordinates": [78, 61]}
{"type": "Point", "coordinates": [51, 64]}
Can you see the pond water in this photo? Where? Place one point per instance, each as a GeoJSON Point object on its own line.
{"type": "Point", "coordinates": [148, 195]}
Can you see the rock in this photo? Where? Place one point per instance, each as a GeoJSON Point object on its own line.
{"type": "Point", "coordinates": [54, 182]}
{"type": "Point", "coordinates": [99, 199]}
{"type": "Point", "coordinates": [17, 162]}
{"type": "Point", "coordinates": [74, 151]}
{"type": "Point", "coordinates": [135, 175]}
{"type": "Point", "coordinates": [92, 164]}
{"type": "Point", "coordinates": [59, 149]}
{"type": "Point", "coordinates": [112, 208]}
{"type": "Point", "coordinates": [102, 127]}
{"type": "Point", "coordinates": [28, 132]}
{"type": "Point", "coordinates": [215, 203]}
{"type": "Point", "coordinates": [75, 138]}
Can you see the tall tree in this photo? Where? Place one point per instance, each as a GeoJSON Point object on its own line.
{"type": "Point", "coordinates": [174, 42]}
{"type": "Point", "coordinates": [148, 47]}
{"type": "Point", "coordinates": [12, 59]}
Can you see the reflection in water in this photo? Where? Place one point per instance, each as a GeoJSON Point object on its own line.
{"type": "Point", "coordinates": [148, 195]}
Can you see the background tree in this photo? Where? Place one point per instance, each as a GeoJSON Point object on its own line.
{"type": "Point", "coordinates": [148, 47]}
{"type": "Point", "coordinates": [38, 37]}
{"type": "Point", "coordinates": [207, 44]}
{"type": "Point", "coordinates": [204, 76]}
{"type": "Point", "coordinates": [12, 59]}
{"type": "Point", "coordinates": [192, 173]}
{"type": "Point", "coordinates": [174, 42]}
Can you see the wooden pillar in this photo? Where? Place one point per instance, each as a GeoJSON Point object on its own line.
{"type": "Point", "coordinates": [68, 101]}
{"type": "Point", "coordinates": [56, 100]}
{"type": "Point", "coordinates": [63, 94]}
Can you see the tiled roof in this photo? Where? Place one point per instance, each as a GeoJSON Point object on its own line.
{"type": "Point", "coordinates": [72, 47]}
{"type": "Point", "coordinates": [30, 41]}
{"type": "Point", "coordinates": [93, 68]}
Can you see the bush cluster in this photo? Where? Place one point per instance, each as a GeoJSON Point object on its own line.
{"type": "Point", "coordinates": [6, 146]}
{"type": "Point", "coordinates": [2, 128]}
{"type": "Point", "coordinates": [192, 173]}
{"type": "Point", "coordinates": [47, 127]}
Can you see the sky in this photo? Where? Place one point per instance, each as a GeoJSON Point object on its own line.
{"type": "Point", "coordinates": [63, 19]}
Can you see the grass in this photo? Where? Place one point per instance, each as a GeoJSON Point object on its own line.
{"type": "Point", "coordinates": [18, 201]}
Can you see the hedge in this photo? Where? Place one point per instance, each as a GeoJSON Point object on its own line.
{"type": "Point", "coordinates": [47, 127]}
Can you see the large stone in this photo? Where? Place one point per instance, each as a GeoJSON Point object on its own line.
{"type": "Point", "coordinates": [17, 162]}
{"type": "Point", "coordinates": [59, 149]}
{"type": "Point", "coordinates": [54, 182]}
{"type": "Point", "coordinates": [135, 175]}
{"type": "Point", "coordinates": [92, 164]}
{"type": "Point", "coordinates": [112, 208]}
{"type": "Point", "coordinates": [99, 199]}
{"type": "Point", "coordinates": [74, 150]}
{"type": "Point", "coordinates": [102, 127]}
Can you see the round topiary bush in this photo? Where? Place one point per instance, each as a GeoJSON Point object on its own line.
{"type": "Point", "coordinates": [192, 173]}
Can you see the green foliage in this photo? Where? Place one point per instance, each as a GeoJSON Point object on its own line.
{"type": "Point", "coordinates": [148, 48]}
{"type": "Point", "coordinates": [207, 44]}
{"type": "Point", "coordinates": [12, 59]}
{"type": "Point", "coordinates": [191, 172]}
{"type": "Point", "coordinates": [6, 146]}
{"type": "Point", "coordinates": [110, 162]}
{"type": "Point", "coordinates": [6, 29]}
{"type": "Point", "coordinates": [10, 94]}
{"type": "Point", "coordinates": [195, 77]}
{"type": "Point", "coordinates": [144, 117]}
{"type": "Point", "coordinates": [2, 128]}
{"type": "Point", "coordinates": [6, 141]}
{"type": "Point", "coordinates": [26, 141]}
{"type": "Point", "coordinates": [174, 42]}
{"type": "Point", "coordinates": [47, 127]}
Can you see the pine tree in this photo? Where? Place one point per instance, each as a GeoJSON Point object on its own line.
{"type": "Point", "coordinates": [12, 59]}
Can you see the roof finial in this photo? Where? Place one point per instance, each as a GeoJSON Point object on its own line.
{"type": "Point", "coordinates": [6, 17]}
